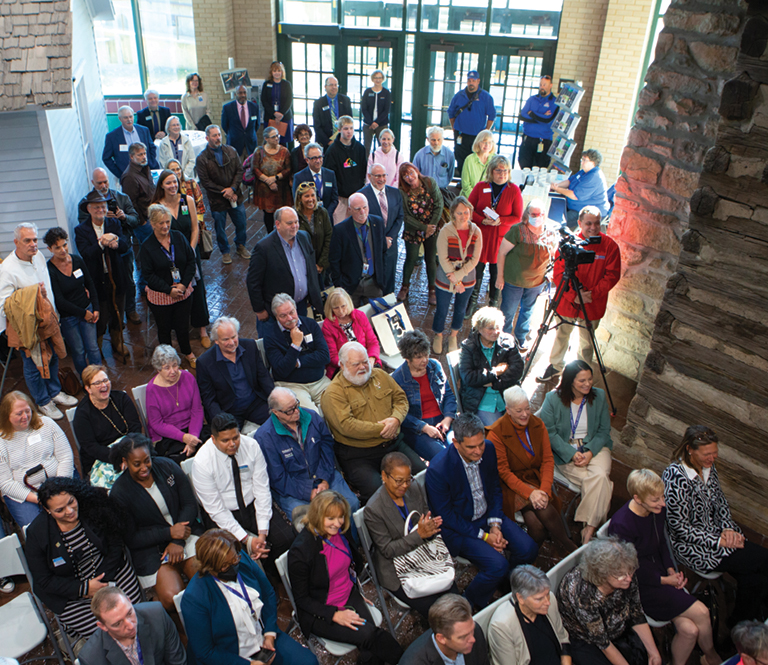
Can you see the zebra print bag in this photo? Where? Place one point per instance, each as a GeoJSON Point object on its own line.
{"type": "Point", "coordinates": [426, 570]}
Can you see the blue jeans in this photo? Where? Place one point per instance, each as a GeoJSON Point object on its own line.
{"type": "Point", "coordinates": [23, 512]}
{"type": "Point", "coordinates": [441, 311]}
{"type": "Point", "coordinates": [424, 445]}
{"type": "Point", "coordinates": [488, 417]}
{"type": "Point", "coordinates": [289, 652]}
{"type": "Point", "coordinates": [513, 297]}
{"type": "Point", "coordinates": [220, 222]}
{"type": "Point", "coordinates": [80, 337]}
{"type": "Point", "coordinates": [42, 390]}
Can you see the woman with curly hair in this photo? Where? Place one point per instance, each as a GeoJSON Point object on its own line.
{"type": "Point", "coordinates": [74, 548]}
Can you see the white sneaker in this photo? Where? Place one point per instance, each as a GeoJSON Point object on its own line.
{"type": "Point", "coordinates": [51, 411]}
{"type": "Point", "coordinates": [65, 400]}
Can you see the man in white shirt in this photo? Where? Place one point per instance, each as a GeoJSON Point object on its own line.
{"type": "Point", "coordinates": [232, 485]}
{"type": "Point", "coordinates": [23, 267]}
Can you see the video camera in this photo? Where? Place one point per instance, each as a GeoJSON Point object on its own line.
{"type": "Point", "coordinates": [572, 249]}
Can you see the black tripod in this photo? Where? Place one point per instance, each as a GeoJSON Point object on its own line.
{"type": "Point", "coordinates": [569, 281]}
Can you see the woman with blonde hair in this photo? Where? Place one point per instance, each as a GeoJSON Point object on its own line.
{"type": "Point", "coordinates": [483, 148]}
{"type": "Point", "coordinates": [343, 323]}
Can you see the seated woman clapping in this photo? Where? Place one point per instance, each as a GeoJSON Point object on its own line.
{"type": "Point", "coordinates": [230, 610]}
{"type": "Point", "coordinates": [641, 521]}
{"type": "Point", "coordinates": [528, 629]}
{"type": "Point", "coordinates": [385, 515]}
{"type": "Point", "coordinates": [322, 565]}
{"type": "Point", "coordinates": [162, 525]}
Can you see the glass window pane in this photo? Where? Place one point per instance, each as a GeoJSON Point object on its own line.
{"type": "Point", "coordinates": [312, 63]}
{"type": "Point", "coordinates": [116, 48]}
{"type": "Point", "coordinates": [168, 34]}
{"type": "Point", "coordinates": [308, 11]}
{"type": "Point", "coordinates": [465, 16]}
{"type": "Point", "coordinates": [535, 18]}
{"type": "Point", "coordinates": [373, 13]}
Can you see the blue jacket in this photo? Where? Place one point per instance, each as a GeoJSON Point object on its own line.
{"type": "Point", "coordinates": [450, 496]}
{"type": "Point", "coordinates": [475, 116]}
{"type": "Point", "coordinates": [538, 114]}
{"type": "Point", "coordinates": [292, 471]}
{"type": "Point", "coordinates": [117, 160]}
{"type": "Point", "coordinates": [282, 357]}
{"type": "Point", "coordinates": [238, 137]}
{"type": "Point", "coordinates": [330, 197]}
{"type": "Point", "coordinates": [441, 389]}
{"type": "Point", "coordinates": [590, 188]}
{"type": "Point", "coordinates": [210, 628]}
{"type": "Point", "coordinates": [395, 212]}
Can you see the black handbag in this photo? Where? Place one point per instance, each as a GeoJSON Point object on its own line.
{"type": "Point", "coordinates": [203, 123]}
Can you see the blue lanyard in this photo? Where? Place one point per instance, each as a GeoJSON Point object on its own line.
{"type": "Point", "coordinates": [403, 511]}
{"type": "Point", "coordinates": [343, 551]}
{"type": "Point", "coordinates": [529, 446]}
{"type": "Point", "coordinates": [575, 424]}
{"type": "Point", "coordinates": [244, 596]}
{"type": "Point", "coordinates": [171, 255]}
{"type": "Point", "coordinates": [494, 201]}
{"type": "Point", "coordinates": [138, 650]}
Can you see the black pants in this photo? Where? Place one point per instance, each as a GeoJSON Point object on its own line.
{"type": "Point", "coordinates": [629, 644]}
{"type": "Point", "coordinates": [750, 568]}
{"type": "Point", "coordinates": [173, 449]}
{"type": "Point", "coordinates": [493, 271]}
{"type": "Point", "coordinates": [257, 412]}
{"type": "Point", "coordinates": [111, 306]}
{"type": "Point", "coordinates": [366, 288]}
{"type": "Point", "coordinates": [463, 150]}
{"type": "Point", "coordinates": [362, 466]}
{"type": "Point", "coordinates": [376, 645]}
{"type": "Point", "coordinates": [530, 156]}
{"type": "Point", "coordinates": [422, 605]}
{"type": "Point", "coordinates": [173, 317]}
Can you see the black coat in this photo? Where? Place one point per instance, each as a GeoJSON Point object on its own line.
{"type": "Point", "coordinates": [144, 118]}
{"type": "Point", "coordinates": [57, 585]}
{"type": "Point", "coordinates": [146, 532]}
{"type": "Point", "coordinates": [123, 202]}
{"type": "Point", "coordinates": [368, 106]}
{"type": "Point", "coordinates": [475, 371]}
{"type": "Point", "coordinates": [93, 253]}
{"type": "Point", "coordinates": [269, 272]}
{"type": "Point", "coordinates": [321, 118]}
{"type": "Point", "coordinates": [286, 101]}
{"type": "Point", "coordinates": [156, 266]}
{"type": "Point", "coordinates": [347, 259]}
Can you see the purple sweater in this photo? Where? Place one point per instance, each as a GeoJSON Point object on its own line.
{"type": "Point", "coordinates": [165, 420]}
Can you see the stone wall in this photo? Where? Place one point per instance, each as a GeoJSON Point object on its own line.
{"type": "Point", "coordinates": [676, 123]}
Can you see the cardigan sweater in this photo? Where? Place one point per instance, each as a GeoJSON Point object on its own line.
{"type": "Point", "coordinates": [171, 420]}
{"type": "Point", "coordinates": [457, 259]}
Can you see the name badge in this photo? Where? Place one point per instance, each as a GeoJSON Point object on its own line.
{"type": "Point", "coordinates": [254, 118]}
{"type": "Point", "coordinates": [325, 108]}
{"type": "Point", "coordinates": [243, 467]}
{"type": "Point", "coordinates": [308, 338]}
{"type": "Point", "coordinates": [371, 94]}
{"type": "Point", "coordinates": [287, 454]}
{"type": "Point", "coordinates": [184, 209]}
{"type": "Point", "coordinates": [123, 147]}
{"type": "Point", "coordinates": [175, 275]}
{"type": "Point", "coordinates": [200, 98]}
{"type": "Point", "coordinates": [149, 116]}
{"type": "Point", "coordinates": [458, 140]}
{"type": "Point", "coordinates": [35, 438]}
{"type": "Point", "coordinates": [365, 267]}
{"type": "Point", "coordinates": [58, 561]}
{"type": "Point", "coordinates": [329, 184]}
{"type": "Point", "coordinates": [77, 274]}
{"type": "Point", "coordinates": [269, 85]}
{"type": "Point", "coordinates": [487, 190]}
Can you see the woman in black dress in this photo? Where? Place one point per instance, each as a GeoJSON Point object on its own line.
{"type": "Point", "coordinates": [277, 100]}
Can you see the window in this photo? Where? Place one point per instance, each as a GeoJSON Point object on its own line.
{"type": "Point", "coordinates": [118, 57]}
{"type": "Point", "coordinates": [373, 13]}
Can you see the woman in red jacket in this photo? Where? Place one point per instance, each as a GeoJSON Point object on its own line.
{"type": "Point", "coordinates": [343, 323]}
{"type": "Point", "coordinates": [505, 202]}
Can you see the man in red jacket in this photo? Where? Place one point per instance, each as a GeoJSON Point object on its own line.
{"type": "Point", "coordinates": [596, 280]}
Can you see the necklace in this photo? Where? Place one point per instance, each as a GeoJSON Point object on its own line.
{"type": "Point", "coordinates": [177, 391]}
{"type": "Point", "coordinates": [125, 422]}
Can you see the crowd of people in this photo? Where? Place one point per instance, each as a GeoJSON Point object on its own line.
{"type": "Point", "coordinates": [251, 467]}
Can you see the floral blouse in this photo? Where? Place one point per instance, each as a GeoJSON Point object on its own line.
{"type": "Point", "coordinates": [421, 206]}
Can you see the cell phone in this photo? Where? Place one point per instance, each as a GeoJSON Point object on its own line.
{"type": "Point", "coordinates": [264, 655]}
{"type": "Point", "coordinates": [112, 205]}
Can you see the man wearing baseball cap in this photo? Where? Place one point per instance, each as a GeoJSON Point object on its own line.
{"type": "Point", "coordinates": [471, 111]}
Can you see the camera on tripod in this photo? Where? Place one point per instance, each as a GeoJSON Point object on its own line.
{"type": "Point", "coordinates": [572, 250]}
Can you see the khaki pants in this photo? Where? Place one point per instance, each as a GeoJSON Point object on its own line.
{"type": "Point", "coordinates": [563, 338]}
{"type": "Point", "coordinates": [308, 394]}
{"type": "Point", "coordinates": [342, 211]}
{"type": "Point", "coordinates": [596, 487]}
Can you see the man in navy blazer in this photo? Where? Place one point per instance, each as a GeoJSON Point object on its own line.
{"type": "Point", "coordinates": [325, 180]}
{"type": "Point", "coordinates": [116, 143]}
{"type": "Point", "coordinates": [232, 377]}
{"type": "Point", "coordinates": [241, 138]}
{"type": "Point", "coordinates": [357, 252]}
{"type": "Point", "coordinates": [463, 487]}
{"type": "Point", "coordinates": [393, 219]}
{"type": "Point", "coordinates": [322, 119]}
{"type": "Point", "coordinates": [153, 116]}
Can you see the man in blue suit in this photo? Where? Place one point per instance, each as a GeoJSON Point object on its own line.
{"type": "Point", "coordinates": [324, 179]}
{"type": "Point", "coordinates": [117, 142]}
{"type": "Point", "coordinates": [385, 202]}
{"type": "Point", "coordinates": [239, 120]}
{"type": "Point", "coordinates": [463, 488]}
{"type": "Point", "coordinates": [357, 252]}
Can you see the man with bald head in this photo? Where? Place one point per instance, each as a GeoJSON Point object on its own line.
{"type": "Point", "coordinates": [239, 121]}
{"type": "Point", "coordinates": [357, 252]}
{"type": "Point", "coordinates": [119, 207]}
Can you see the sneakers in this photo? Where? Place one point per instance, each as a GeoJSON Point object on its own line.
{"type": "Point", "coordinates": [226, 259]}
{"type": "Point", "coordinates": [7, 585]}
{"type": "Point", "coordinates": [65, 400]}
{"type": "Point", "coordinates": [437, 345]}
{"type": "Point", "coordinates": [549, 375]}
{"type": "Point", "coordinates": [453, 343]}
{"type": "Point", "coordinates": [51, 411]}
{"type": "Point", "coordinates": [242, 252]}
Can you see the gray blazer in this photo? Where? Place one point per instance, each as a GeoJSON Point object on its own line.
{"type": "Point", "coordinates": [159, 640]}
{"type": "Point", "coordinates": [385, 524]}
{"type": "Point", "coordinates": [423, 652]}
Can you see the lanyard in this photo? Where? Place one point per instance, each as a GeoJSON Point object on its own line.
{"type": "Point", "coordinates": [574, 425]}
{"type": "Point", "coordinates": [244, 596]}
{"type": "Point", "coordinates": [343, 551]}
{"type": "Point", "coordinates": [138, 650]}
{"type": "Point", "coordinates": [403, 511]}
{"type": "Point", "coordinates": [494, 201]}
{"type": "Point", "coordinates": [171, 255]}
{"type": "Point", "coordinates": [527, 446]}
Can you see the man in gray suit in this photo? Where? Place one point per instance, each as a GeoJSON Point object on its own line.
{"type": "Point", "coordinates": [141, 635]}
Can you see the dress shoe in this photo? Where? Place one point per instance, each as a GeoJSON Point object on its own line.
{"type": "Point", "coordinates": [432, 297]}
{"type": "Point", "coordinates": [134, 317]}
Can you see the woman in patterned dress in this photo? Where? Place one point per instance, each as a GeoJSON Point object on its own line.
{"type": "Point", "coordinates": [271, 171]}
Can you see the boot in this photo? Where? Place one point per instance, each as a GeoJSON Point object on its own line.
{"type": "Point", "coordinates": [472, 305]}
{"type": "Point", "coordinates": [432, 298]}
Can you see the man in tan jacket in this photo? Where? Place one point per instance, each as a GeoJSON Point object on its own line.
{"type": "Point", "coordinates": [364, 409]}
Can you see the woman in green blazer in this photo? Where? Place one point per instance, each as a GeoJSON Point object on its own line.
{"type": "Point", "coordinates": [579, 425]}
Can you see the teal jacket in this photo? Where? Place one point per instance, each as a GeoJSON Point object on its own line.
{"type": "Point", "coordinates": [557, 418]}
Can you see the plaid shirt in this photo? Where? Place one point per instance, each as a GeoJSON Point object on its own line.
{"type": "Point", "coordinates": [480, 504]}
{"type": "Point", "coordinates": [131, 652]}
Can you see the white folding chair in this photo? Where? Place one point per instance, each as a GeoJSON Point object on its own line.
{"type": "Point", "coordinates": [453, 372]}
{"type": "Point", "coordinates": [23, 620]}
{"type": "Point", "coordinates": [338, 649]}
{"type": "Point", "coordinates": [484, 616]}
{"type": "Point", "coordinates": [186, 466]}
{"type": "Point", "coordinates": [391, 300]}
{"type": "Point", "coordinates": [70, 413]}
{"type": "Point", "coordinates": [262, 351]}
{"type": "Point", "coordinates": [140, 397]}
{"type": "Point", "coordinates": [602, 532]}
{"type": "Point", "coordinates": [177, 604]}
{"type": "Point", "coordinates": [559, 571]}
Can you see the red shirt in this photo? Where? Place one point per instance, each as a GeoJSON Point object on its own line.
{"type": "Point", "coordinates": [429, 406]}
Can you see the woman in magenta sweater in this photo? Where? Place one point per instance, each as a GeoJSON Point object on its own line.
{"type": "Point", "coordinates": [343, 323]}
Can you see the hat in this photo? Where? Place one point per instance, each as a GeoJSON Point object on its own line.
{"type": "Point", "coordinates": [94, 197]}
{"type": "Point", "coordinates": [473, 74]}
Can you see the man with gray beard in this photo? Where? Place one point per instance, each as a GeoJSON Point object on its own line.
{"type": "Point", "coordinates": [364, 409]}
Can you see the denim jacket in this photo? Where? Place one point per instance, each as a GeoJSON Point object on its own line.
{"type": "Point", "coordinates": [441, 389]}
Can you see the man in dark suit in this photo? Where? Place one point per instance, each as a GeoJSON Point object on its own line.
{"type": "Point", "coordinates": [357, 252]}
{"type": "Point", "coordinates": [327, 110]}
{"type": "Point", "coordinates": [284, 262]}
{"type": "Point", "coordinates": [153, 116]}
{"type": "Point", "coordinates": [232, 376]}
{"type": "Point", "coordinates": [240, 120]}
{"type": "Point", "coordinates": [145, 631]}
{"type": "Point", "coordinates": [117, 142]}
{"type": "Point", "coordinates": [325, 180]}
{"type": "Point", "coordinates": [385, 202]}
{"type": "Point", "coordinates": [453, 631]}
{"type": "Point", "coordinates": [463, 488]}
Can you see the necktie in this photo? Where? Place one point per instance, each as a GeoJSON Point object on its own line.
{"type": "Point", "coordinates": [331, 105]}
{"type": "Point", "coordinates": [238, 485]}
{"type": "Point", "coordinates": [367, 247]}
{"type": "Point", "coordinates": [319, 185]}
{"type": "Point", "coordinates": [383, 204]}
{"type": "Point", "coordinates": [243, 116]}
{"type": "Point", "coordinates": [155, 123]}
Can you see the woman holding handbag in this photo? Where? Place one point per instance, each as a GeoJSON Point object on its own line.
{"type": "Point", "coordinates": [385, 516]}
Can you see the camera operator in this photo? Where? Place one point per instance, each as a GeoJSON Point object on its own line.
{"type": "Point", "coordinates": [596, 279]}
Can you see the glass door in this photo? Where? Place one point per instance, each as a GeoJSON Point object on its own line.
{"type": "Point", "coordinates": [362, 61]}
{"type": "Point", "coordinates": [309, 64]}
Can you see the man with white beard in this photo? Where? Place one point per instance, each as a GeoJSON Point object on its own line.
{"type": "Point", "coordinates": [364, 409]}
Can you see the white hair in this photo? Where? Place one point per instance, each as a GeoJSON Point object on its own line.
{"type": "Point", "coordinates": [222, 320]}
{"type": "Point", "coordinates": [124, 108]}
{"type": "Point", "coordinates": [345, 350]}
{"type": "Point", "coordinates": [514, 395]}
{"type": "Point", "coordinates": [273, 399]}
{"type": "Point", "coordinates": [435, 130]}
{"type": "Point", "coordinates": [151, 92]}
{"type": "Point", "coordinates": [281, 299]}
{"type": "Point", "coordinates": [24, 225]}
{"type": "Point", "coordinates": [387, 131]}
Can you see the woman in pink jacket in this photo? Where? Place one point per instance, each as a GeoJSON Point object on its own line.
{"type": "Point", "coordinates": [343, 323]}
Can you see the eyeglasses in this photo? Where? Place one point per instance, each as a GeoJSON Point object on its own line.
{"type": "Point", "coordinates": [290, 411]}
{"type": "Point", "coordinates": [99, 383]}
{"type": "Point", "coordinates": [622, 578]}
{"type": "Point", "coordinates": [399, 482]}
